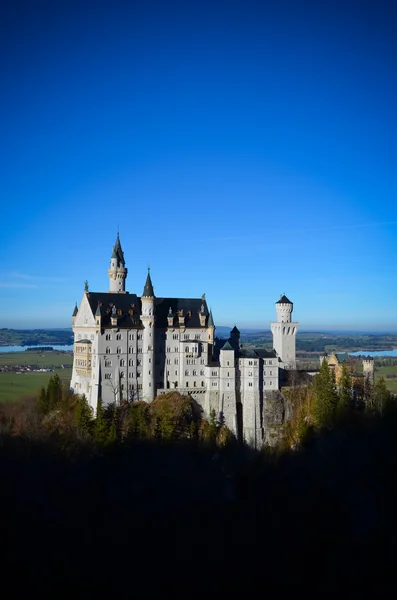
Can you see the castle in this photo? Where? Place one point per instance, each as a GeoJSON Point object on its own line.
{"type": "Point", "coordinates": [129, 347]}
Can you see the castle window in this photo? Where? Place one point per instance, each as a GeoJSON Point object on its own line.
{"type": "Point", "coordinates": [122, 374]}
{"type": "Point", "coordinates": [138, 374]}
{"type": "Point", "coordinates": [168, 349]}
{"type": "Point", "coordinates": [202, 384]}
{"type": "Point", "coordinates": [250, 374]}
{"type": "Point", "coordinates": [187, 349]}
{"type": "Point", "coordinates": [265, 363]}
{"type": "Point", "coordinates": [228, 374]}
{"type": "Point", "coordinates": [214, 384]}
{"type": "Point", "coordinates": [139, 336]}
{"type": "Point", "coordinates": [250, 362]}
{"type": "Point", "coordinates": [176, 348]}
{"type": "Point", "coordinates": [197, 336]}
{"type": "Point", "coordinates": [108, 376]}
{"type": "Point", "coordinates": [202, 372]}
{"type": "Point", "coordinates": [131, 362]}
{"type": "Point", "coordinates": [255, 362]}
{"type": "Point", "coordinates": [187, 372]}
{"type": "Point", "coordinates": [194, 373]}
{"type": "Point", "coordinates": [271, 373]}
{"type": "Point", "coordinates": [264, 373]}
{"type": "Point", "coordinates": [122, 362]}
{"type": "Point", "coordinates": [130, 375]}
{"type": "Point", "coordinates": [108, 350]}
{"type": "Point", "coordinates": [118, 350]}
{"type": "Point", "coordinates": [176, 361]}
{"type": "Point", "coordinates": [228, 385]}
{"type": "Point", "coordinates": [150, 348]}
{"type": "Point", "coordinates": [194, 383]}
{"type": "Point", "coordinates": [131, 386]}
{"type": "Point", "coordinates": [176, 372]}
{"type": "Point", "coordinates": [131, 336]}
{"type": "Point", "coordinates": [186, 336]}
{"type": "Point", "coordinates": [139, 361]}
{"type": "Point", "coordinates": [228, 363]}
{"type": "Point", "coordinates": [187, 384]}
{"type": "Point", "coordinates": [175, 336]}
{"type": "Point", "coordinates": [108, 363]}
{"type": "Point", "coordinates": [214, 373]}
{"type": "Point", "coordinates": [250, 384]}
{"type": "Point", "coordinates": [140, 350]}
{"type": "Point", "coordinates": [271, 383]}
{"type": "Point", "coordinates": [131, 349]}
{"type": "Point", "coordinates": [118, 336]}
{"type": "Point", "coordinates": [139, 386]}
{"type": "Point", "coordinates": [168, 372]}
{"type": "Point", "coordinates": [168, 361]}
{"type": "Point", "coordinates": [264, 383]}
{"type": "Point", "coordinates": [108, 336]}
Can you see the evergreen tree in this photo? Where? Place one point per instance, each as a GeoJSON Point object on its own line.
{"type": "Point", "coordinates": [100, 427]}
{"type": "Point", "coordinates": [345, 390]}
{"type": "Point", "coordinates": [42, 402]}
{"type": "Point", "coordinates": [326, 396]}
{"type": "Point", "coordinates": [83, 413]}
{"type": "Point", "coordinates": [381, 396]}
{"type": "Point", "coordinates": [112, 434]}
{"type": "Point", "coordinates": [54, 392]}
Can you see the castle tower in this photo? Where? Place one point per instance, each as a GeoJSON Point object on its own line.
{"type": "Point", "coordinates": [284, 333]}
{"type": "Point", "coordinates": [117, 271]}
{"type": "Point", "coordinates": [368, 368]}
{"type": "Point", "coordinates": [147, 318]}
{"type": "Point", "coordinates": [235, 339]}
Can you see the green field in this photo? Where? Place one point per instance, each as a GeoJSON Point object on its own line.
{"type": "Point", "coordinates": [384, 372]}
{"type": "Point", "coordinates": [13, 386]}
{"type": "Point", "coordinates": [41, 359]}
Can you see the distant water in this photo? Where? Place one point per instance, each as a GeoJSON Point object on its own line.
{"type": "Point", "coordinates": [374, 354]}
{"type": "Point", "coordinates": [23, 348]}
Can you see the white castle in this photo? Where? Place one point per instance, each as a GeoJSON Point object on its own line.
{"type": "Point", "coordinates": [131, 348]}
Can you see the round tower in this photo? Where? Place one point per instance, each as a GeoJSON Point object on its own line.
{"type": "Point", "coordinates": [284, 333]}
{"type": "Point", "coordinates": [117, 271]}
{"type": "Point", "coordinates": [147, 318]}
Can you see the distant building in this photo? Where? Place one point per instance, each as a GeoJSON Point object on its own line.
{"type": "Point", "coordinates": [336, 360]}
{"type": "Point", "coordinates": [129, 347]}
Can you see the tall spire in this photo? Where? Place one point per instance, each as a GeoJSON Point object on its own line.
{"type": "Point", "coordinates": [210, 320]}
{"type": "Point", "coordinates": [117, 271]}
{"type": "Point", "coordinates": [148, 291]}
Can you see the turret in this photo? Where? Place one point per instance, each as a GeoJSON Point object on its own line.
{"type": "Point", "coordinates": [235, 338]}
{"type": "Point", "coordinates": [368, 368]}
{"type": "Point", "coordinates": [147, 318]}
{"type": "Point", "coordinates": [117, 271]}
{"type": "Point", "coordinates": [284, 333]}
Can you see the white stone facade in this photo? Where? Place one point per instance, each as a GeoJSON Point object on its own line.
{"type": "Point", "coordinates": [134, 348]}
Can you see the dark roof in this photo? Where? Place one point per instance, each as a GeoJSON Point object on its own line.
{"type": "Point", "coordinates": [130, 307]}
{"type": "Point", "coordinates": [83, 342]}
{"type": "Point", "coordinates": [235, 330]}
{"type": "Point", "coordinates": [227, 346]}
{"type": "Point", "coordinates": [259, 353]}
{"type": "Point", "coordinates": [210, 319]}
{"type": "Point", "coordinates": [283, 300]}
{"type": "Point", "coordinates": [148, 291]}
{"type": "Point", "coordinates": [342, 356]}
{"type": "Point", "coordinates": [118, 252]}
{"type": "Point", "coordinates": [76, 310]}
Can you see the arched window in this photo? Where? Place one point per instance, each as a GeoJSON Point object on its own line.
{"type": "Point", "coordinates": [108, 350]}
{"type": "Point", "coordinates": [187, 349]}
{"type": "Point", "coordinates": [202, 372]}
{"type": "Point", "coordinates": [194, 372]}
{"type": "Point", "coordinates": [131, 362]}
{"type": "Point", "coordinates": [118, 350]}
{"type": "Point", "coordinates": [187, 372]}
{"type": "Point", "coordinates": [122, 374]}
{"type": "Point", "coordinates": [122, 362]}
{"type": "Point", "coordinates": [202, 384]}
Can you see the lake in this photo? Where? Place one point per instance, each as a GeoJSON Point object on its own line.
{"type": "Point", "coordinates": [374, 354]}
{"type": "Point", "coordinates": [23, 348]}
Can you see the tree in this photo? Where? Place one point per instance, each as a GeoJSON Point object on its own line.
{"type": "Point", "coordinates": [326, 396]}
{"type": "Point", "coordinates": [54, 392]}
{"type": "Point", "coordinates": [83, 413]}
{"type": "Point", "coordinates": [345, 390]}
{"type": "Point", "coordinates": [381, 396]}
{"type": "Point", "coordinates": [100, 427]}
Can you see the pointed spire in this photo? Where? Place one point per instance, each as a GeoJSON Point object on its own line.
{"type": "Point", "coordinates": [76, 310]}
{"type": "Point", "coordinates": [117, 250]}
{"type": "Point", "coordinates": [210, 320]}
{"type": "Point", "coordinates": [148, 291]}
{"type": "Point", "coordinates": [98, 310]}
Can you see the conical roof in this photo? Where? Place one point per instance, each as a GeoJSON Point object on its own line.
{"type": "Point", "coordinates": [210, 320]}
{"type": "Point", "coordinates": [98, 311]}
{"type": "Point", "coordinates": [117, 251]}
{"type": "Point", "coordinates": [148, 291]}
{"type": "Point", "coordinates": [235, 331]}
{"type": "Point", "coordinates": [227, 346]}
{"type": "Point", "coordinates": [76, 310]}
{"type": "Point", "coordinates": [283, 300]}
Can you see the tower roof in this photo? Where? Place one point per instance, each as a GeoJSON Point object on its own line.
{"type": "Point", "coordinates": [98, 310]}
{"type": "Point", "coordinates": [227, 346]}
{"type": "Point", "coordinates": [117, 251]}
{"type": "Point", "coordinates": [210, 320]}
{"type": "Point", "coordinates": [283, 300]}
{"type": "Point", "coordinates": [76, 310]}
{"type": "Point", "coordinates": [148, 291]}
{"type": "Point", "coordinates": [235, 330]}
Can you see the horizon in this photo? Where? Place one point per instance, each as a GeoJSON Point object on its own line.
{"type": "Point", "coordinates": [242, 149]}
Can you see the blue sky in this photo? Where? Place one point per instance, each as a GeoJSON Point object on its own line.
{"type": "Point", "coordinates": [244, 149]}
